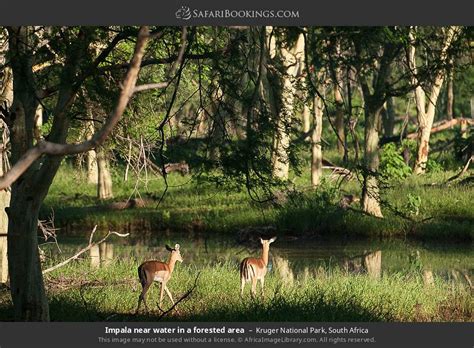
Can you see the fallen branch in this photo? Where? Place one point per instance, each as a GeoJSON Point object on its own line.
{"type": "Point", "coordinates": [87, 248]}
{"type": "Point", "coordinates": [189, 292]}
{"type": "Point", "coordinates": [437, 127]}
{"type": "Point", "coordinates": [340, 171]}
{"type": "Point", "coordinates": [462, 172]}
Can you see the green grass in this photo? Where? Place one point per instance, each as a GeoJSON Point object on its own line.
{"type": "Point", "coordinates": [444, 213]}
{"type": "Point", "coordinates": [78, 293]}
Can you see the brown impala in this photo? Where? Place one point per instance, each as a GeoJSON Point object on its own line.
{"type": "Point", "coordinates": [158, 271]}
{"type": "Point", "coordinates": [253, 269]}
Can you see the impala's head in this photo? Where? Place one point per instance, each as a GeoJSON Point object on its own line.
{"type": "Point", "coordinates": [266, 242]}
{"type": "Point", "coordinates": [175, 253]}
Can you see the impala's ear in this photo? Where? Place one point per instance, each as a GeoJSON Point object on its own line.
{"type": "Point", "coordinates": [272, 240]}
{"type": "Point", "coordinates": [169, 248]}
{"type": "Point", "coordinates": [261, 240]}
{"type": "Point", "coordinates": [176, 247]}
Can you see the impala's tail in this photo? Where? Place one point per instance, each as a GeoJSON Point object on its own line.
{"type": "Point", "coordinates": [142, 275]}
{"type": "Point", "coordinates": [247, 271]}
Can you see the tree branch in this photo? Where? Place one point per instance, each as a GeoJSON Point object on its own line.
{"type": "Point", "coordinates": [55, 149]}
{"type": "Point", "coordinates": [87, 248]}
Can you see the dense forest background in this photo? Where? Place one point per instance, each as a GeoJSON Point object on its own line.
{"type": "Point", "coordinates": [302, 131]}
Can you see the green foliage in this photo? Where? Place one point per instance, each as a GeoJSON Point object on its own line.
{"type": "Point", "coordinates": [392, 164]}
{"type": "Point", "coordinates": [413, 204]}
{"type": "Point", "coordinates": [432, 166]}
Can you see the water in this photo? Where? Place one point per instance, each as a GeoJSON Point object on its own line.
{"type": "Point", "coordinates": [293, 258]}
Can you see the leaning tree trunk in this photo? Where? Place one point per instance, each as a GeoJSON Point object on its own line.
{"type": "Point", "coordinates": [316, 149]}
{"type": "Point", "coordinates": [370, 190]}
{"type": "Point", "coordinates": [104, 186]}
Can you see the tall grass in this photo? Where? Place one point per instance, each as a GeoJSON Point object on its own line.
{"type": "Point", "coordinates": [78, 293]}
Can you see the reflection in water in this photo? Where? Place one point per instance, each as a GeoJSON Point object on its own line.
{"type": "Point", "coordinates": [101, 255]}
{"type": "Point", "coordinates": [292, 260]}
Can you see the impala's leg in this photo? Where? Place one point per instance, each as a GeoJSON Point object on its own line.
{"type": "Point", "coordinates": [254, 286]}
{"type": "Point", "coordinates": [161, 294]}
{"type": "Point", "coordinates": [262, 283]}
{"type": "Point", "coordinates": [169, 294]}
{"type": "Point", "coordinates": [171, 298]}
{"type": "Point", "coordinates": [142, 296]}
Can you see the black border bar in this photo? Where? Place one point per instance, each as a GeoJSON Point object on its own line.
{"type": "Point", "coordinates": [310, 12]}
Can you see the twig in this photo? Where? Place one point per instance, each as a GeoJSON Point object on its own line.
{"type": "Point", "coordinates": [463, 171]}
{"type": "Point", "coordinates": [88, 247]}
{"type": "Point", "coordinates": [182, 298]}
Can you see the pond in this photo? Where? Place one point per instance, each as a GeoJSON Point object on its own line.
{"type": "Point", "coordinates": [292, 258]}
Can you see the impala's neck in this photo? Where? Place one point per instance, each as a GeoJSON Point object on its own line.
{"type": "Point", "coordinates": [265, 250]}
{"type": "Point", "coordinates": [171, 263]}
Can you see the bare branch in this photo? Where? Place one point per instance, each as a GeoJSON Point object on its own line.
{"type": "Point", "coordinates": [87, 248]}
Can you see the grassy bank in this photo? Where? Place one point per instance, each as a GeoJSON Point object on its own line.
{"type": "Point", "coordinates": [417, 207]}
{"type": "Point", "coordinates": [78, 293]}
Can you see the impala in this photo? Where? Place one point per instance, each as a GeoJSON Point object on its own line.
{"type": "Point", "coordinates": [253, 269]}
{"type": "Point", "coordinates": [158, 271]}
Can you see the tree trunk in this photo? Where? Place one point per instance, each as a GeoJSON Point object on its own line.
{"type": "Point", "coordinates": [104, 186]}
{"type": "Point", "coordinates": [4, 203]}
{"type": "Point", "coordinates": [91, 157]}
{"type": "Point", "coordinates": [292, 59]}
{"type": "Point", "coordinates": [306, 120]}
{"type": "Point", "coordinates": [450, 95]}
{"type": "Point", "coordinates": [426, 111]}
{"type": "Point", "coordinates": [388, 118]}
{"type": "Point", "coordinates": [26, 279]}
{"type": "Point", "coordinates": [27, 193]}
{"type": "Point", "coordinates": [6, 96]}
{"type": "Point", "coordinates": [339, 114]}
{"type": "Point", "coordinates": [316, 148]}
{"type": "Point", "coordinates": [370, 190]}
{"type": "Point", "coordinates": [472, 107]}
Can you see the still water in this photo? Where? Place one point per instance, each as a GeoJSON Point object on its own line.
{"type": "Point", "coordinates": [295, 257]}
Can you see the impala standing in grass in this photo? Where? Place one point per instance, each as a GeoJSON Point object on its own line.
{"type": "Point", "coordinates": [253, 269]}
{"type": "Point", "coordinates": [158, 271]}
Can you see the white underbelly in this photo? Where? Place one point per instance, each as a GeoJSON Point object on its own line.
{"type": "Point", "coordinates": [158, 279]}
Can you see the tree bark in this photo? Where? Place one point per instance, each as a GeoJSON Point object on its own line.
{"type": "Point", "coordinates": [388, 118]}
{"type": "Point", "coordinates": [6, 97]}
{"type": "Point", "coordinates": [91, 157]}
{"type": "Point", "coordinates": [306, 120]}
{"type": "Point", "coordinates": [370, 191]}
{"type": "Point", "coordinates": [104, 186]}
{"type": "Point", "coordinates": [316, 148]}
{"type": "Point", "coordinates": [339, 102]}
{"type": "Point", "coordinates": [450, 95]}
{"type": "Point", "coordinates": [292, 59]}
{"type": "Point", "coordinates": [426, 111]}
{"type": "Point", "coordinates": [4, 203]}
